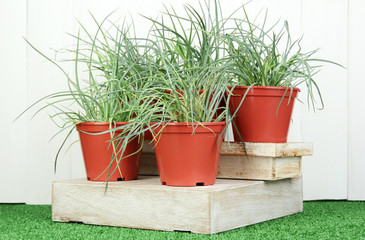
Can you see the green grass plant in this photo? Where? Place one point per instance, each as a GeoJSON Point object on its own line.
{"type": "Point", "coordinates": [259, 56]}
{"type": "Point", "coordinates": [192, 75]}
{"type": "Point", "coordinates": [114, 88]}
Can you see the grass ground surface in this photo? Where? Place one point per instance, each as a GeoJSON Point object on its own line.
{"type": "Point", "coordinates": [319, 220]}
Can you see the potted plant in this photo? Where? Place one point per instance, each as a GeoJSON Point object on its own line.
{"type": "Point", "coordinates": [105, 108]}
{"type": "Point", "coordinates": [188, 131]}
{"type": "Point", "coordinates": [266, 80]}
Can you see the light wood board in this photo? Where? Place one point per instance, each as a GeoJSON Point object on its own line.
{"type": "Point", "coordinates": [147, 204]}
{"type": "Point", "coordinates": [258, 168]}
{"type": "Point", "coordinates": [237, 166]}
{"type": "Point", "coordinates": [258, 149]}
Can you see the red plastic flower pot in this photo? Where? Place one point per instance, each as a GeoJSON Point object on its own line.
{"type": "Point", "coordinates": [260, 118]}
{"type": "Point", "coordinates": [185, 158]}
{"type": "Point", "coordinates": [98, 152]}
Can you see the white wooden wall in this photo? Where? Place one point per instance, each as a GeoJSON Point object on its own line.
{"type": "Point", "coordinates": [335, 26]}
{"type": "Point", "coordinates": [13, 97]}
{"type": "Point", "coordinates": [356, 103]}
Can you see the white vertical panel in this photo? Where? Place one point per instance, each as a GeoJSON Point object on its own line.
{"type": "Point", "coordinates": [13, 100]}
{"type": "Point", "coordinates": [48, 22]}
{"type": "Point", "coordinates": [325, 173]}
{"type": "Point", "coordinates": [356, 179]}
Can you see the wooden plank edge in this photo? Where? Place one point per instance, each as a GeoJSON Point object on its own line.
{"type": "Point", "coordinates": [294, 149]}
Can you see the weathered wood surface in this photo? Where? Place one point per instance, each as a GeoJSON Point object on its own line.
{"type": "Point", "coordinates": [245, 167]}
{"type": "Point", "coordinates": [259, 149]}
{"type": "Point", "coordinates": [268, 149]}
{"type": "Point", "coordinates": [147, 204]}
{"type": "Point", "coordinates": [259, 168]}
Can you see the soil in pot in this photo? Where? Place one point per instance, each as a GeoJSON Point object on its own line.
{"type": "Point", "coordinates": [260, 118]}
{"type": "Point", "coordinates": [98, 152]}
{"type": "Point", "coordinates": [185, 158]}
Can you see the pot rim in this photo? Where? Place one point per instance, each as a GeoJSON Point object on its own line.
{"type": "Point", "coordinates": [98, 127]}
{"type": "Point", "coordinates": [265, 87]}
{"type": "Point", "coordinates": [190, 124]}
{"type": "Point", "coordinates": [184, 128]}
{"type": "Point", "coordinates": [100, 123]}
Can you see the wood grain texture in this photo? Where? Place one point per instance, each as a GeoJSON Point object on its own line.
{"type": "Point", "coordinates": [255, 203]}
{"type": "Point", "coordinates": [267, 149]}
{"type": "Point", "coordinates": [259, 149]}
{"type": "Point", "coordinates": [246, 167]}
{"type": "Point", "coordinates": [258, 168]}
{"type": "Point", "coordinates": [147, 204]}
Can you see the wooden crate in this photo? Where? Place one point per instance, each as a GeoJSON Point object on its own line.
{"type": "Point", "coordinates": [147, 204]}
{"type": "Point", "coordinates": [264, 161]}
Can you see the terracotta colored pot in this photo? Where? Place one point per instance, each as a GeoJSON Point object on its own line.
{"type": "Point", "coordinates": [186, 159]}
{"type": "Point", "coordinates": [259, 119]}
{"type": "Point", "coordinates": [98, 152]}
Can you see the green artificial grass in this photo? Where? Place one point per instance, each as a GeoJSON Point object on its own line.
{"type": "Point", "coordinates": [319, 220]}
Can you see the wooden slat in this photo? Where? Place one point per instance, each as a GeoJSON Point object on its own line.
{"type": "Point", "coordinates": [236, 166]}
{"type": "Point", "coordinates": [256, 203]}
{"type": "Point", "coordinates": [148, 164]}
{"type": "Point", "coordinates": [267, 149]}
{"type": "Point", "coordinates": [147, 204]}
{"type": "Point", "coordinates": [259, 149]}
{"type": "Point", "coordinates": [259, 168]}
{"type": "Point", "coordinates": [241, 167]}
